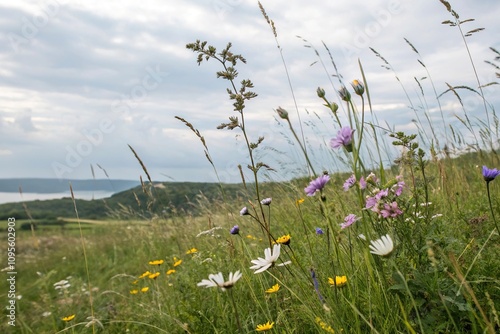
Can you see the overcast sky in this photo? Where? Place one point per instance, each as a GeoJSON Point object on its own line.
{"type": "Point", "coordinates": [79, 80]}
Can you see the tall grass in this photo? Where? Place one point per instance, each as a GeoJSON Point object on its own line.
{"type": "Point", "coordinates": [405, 247]}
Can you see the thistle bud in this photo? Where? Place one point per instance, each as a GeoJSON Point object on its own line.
{"type": "Point", "coordinates": [333, 107]}
{"type": "Point", "coordinates": [321, 92]}
{"type": "Point", "coordinates": [358, 87]}
{"type": "Point", "coordinates": [235, 229]}
{"type": "Point", "coordinates": [282, 113]}
{"type": "Point", "coordinates": [344, 94]}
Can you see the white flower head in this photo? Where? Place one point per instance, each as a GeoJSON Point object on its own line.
{"type": "Point", "coordinates": [63, 284]}
{"type": "Point", "coordinates": [262, 264]}
{"type": "Point", "coordinates": [266, 201]}
{"type": "Point", "coordinates": [382, 246]}
{"type": "Point", "coordinates": [217, 280]}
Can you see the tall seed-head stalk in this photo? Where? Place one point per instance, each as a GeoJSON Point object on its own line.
{"type": "Point", "coordinates": [281, 112]}
{"type": "Point", "coordinates": [284, 115]}
{"type": "Point", "coordinates": [229, 60]}
{"type": "Point", "coordinates": [458, 23]}
{"type": "Point", "coordinates": [85, 259]}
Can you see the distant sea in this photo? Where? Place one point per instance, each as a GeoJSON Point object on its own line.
{"type": "Point", "coordinates": [16, 197]}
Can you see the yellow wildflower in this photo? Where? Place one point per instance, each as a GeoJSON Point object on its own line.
{"type": "Point", "coordinates": [145, 289]}
{"type": "Point", "coordinates": [299, 201]}
{"type": "Point", "coordinates": [147, 273]}
{"type": "Point", "coordinates": [134, 292]}
{"type": "Point", "coordinates": [273, 289]}
{"type": "Point", "coordinates": [265, 327]}
{"type": "Point", "coordinates": [284, 240]}
{"type": "Point", "coordinates": [171, 271]}
{"type": "Point", "coordinates": [192, 251]}
{"type": "Point", "coordinates": [154, 276]}
{"type": "Point", "coordinates": [177, 262]}
{"type": "Point", "coordinates": [324, 325]}
{"type": "Point", "coordinates": [338, 282]}
{"type": "Point", "coordinates": [156, 262]}
{"type": "Point", "coordinates": [69, 318]}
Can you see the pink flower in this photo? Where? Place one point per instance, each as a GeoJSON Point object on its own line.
{"type": "Point", "coordinates": [349, 182]}
{"type": "Point", "coordinates": [398, 188]}
{"type": "Point", "coordinates": [391, 210]}
{"type": "Point", "coordinates": [362, 183]}
{"type": "Point", "coordinates": [349, 220]}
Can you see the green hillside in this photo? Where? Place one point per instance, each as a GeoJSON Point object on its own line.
{"type": "Point", "coordinates": [45, 186]}
{"type": "Point", "coordinates": [166, 199]}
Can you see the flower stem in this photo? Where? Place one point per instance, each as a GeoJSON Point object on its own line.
{"type": "Point", "coordinates": [302, 147]}
{"type": "Point", "coordinates": [491, 206]}
{"type": "Point", "coordinates": [235, 311]}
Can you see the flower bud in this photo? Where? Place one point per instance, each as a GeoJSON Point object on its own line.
{"type": "Point", "coordinates": [282, 113]}
{"type": "Point", "coordinates": [266, 201]}
{"type": "Point", "coordinates": [333, 107]}
{"type": "Point", "coordinates": [358, 87]}
{"type": "Point", "coordinates": [344, 94]}
{"type": "Point", "coordinates": [321, 92]}
{"type": "Point", "coordinates": [235, 229]}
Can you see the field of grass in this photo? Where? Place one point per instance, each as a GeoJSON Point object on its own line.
{"type": "Point", "coordinates": [412, 247]}
{"type": "Point", "coordinates": [442, 275]}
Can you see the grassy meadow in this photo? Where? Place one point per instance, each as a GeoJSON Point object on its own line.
{"type": "Point", "coordinates": [406, 247]}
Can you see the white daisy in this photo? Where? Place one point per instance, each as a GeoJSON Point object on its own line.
{"type": "Point", "coordinates": [261, 264]}
{"type": "Point", "coordinates": [217, 280]}
{"type": "Point", "coordinates": [382, 246]}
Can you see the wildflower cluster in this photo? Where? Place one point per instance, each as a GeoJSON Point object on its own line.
{"type": "Point", "coordinates": [62, 285]}
{"type": "Point", "coordinates": [383, 201]}
{"type": "Point", "coordinates": [324, 325]}
{"type": "Point", "coordinates": [155, 272]}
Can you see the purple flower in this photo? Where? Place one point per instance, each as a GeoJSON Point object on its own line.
{"type": "Point", "coordinates": [490, 174]}
{"type": "Point", "coordinates": [235, 229]}
{"type": "Point", "coordinates": [391, 210]}
{"type": "Point", "coordinates": [316, 185]}
{"type": "Point", "coordinates": [371, 202]}
{"type": "Point", "coordinates": [344, 138]}
{"type": "Point", "coordinates": [319, 231]}
{"type": "Point", "coordinates": [398, 188]}
{"type": "Point", "coordinates": [381, 194]}
{"type": "Point", "coordinates": [266, 201]}
{"type": "Point", "coordinates": [244, 211]}
{"type": "Point", "coordinates": [349, 182]}
{"type": "Point", "coordinates": [316, 285]}
{"type": "Point", "coordinates": [349, 220]}
{"type": "Point", "coordinates": [362, 183]}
